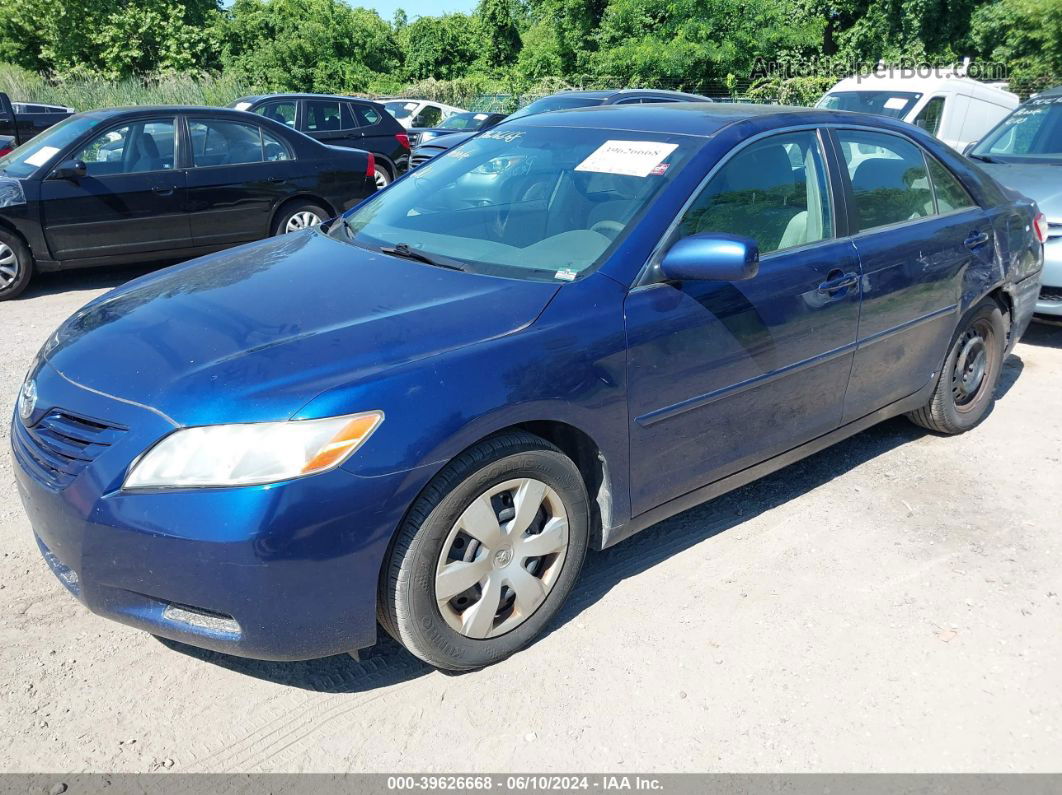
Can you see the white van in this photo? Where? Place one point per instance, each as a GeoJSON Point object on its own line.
{"type": "Point", "coordinates": [956, 109]}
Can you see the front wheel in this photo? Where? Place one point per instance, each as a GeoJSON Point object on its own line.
{"type": "Point", "coordinates": [487, 554]}
{"type": "Point", "coordinates": [16, 265]}
{"type": "Point", "coordinates": [299, 216]}
{"type": "Point", "coordinates": [966, 389]}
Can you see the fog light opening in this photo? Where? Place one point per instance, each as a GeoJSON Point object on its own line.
{"type": "Point", "coordinates": [201, 618]}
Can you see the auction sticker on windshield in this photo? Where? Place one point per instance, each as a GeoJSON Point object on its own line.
{"type": "Point", "coordinates": [42, 156]}
{"type": "Point", "coordinates": [627, 158]}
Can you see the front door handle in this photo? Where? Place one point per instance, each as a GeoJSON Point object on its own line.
{"type": "Point", "coordinates": [976, 239]}
{"type": "Point", "coordinates": [276, 180]}
{"type": "Point", "coordinates": [836, 281]}
{"type": "Point", "coordinates": [162, 190]}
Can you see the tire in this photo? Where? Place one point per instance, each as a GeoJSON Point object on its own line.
{"type": "Point", "coordinates": [297, 216]}
{"type": "Point", "coordinates": [16, 265]}
{"type": "Point", "coordinates": [457, 633]}
{"type": "Point", "coordinates": [965, 391]}
{"type": "Point", "coordinates": [383, 177]}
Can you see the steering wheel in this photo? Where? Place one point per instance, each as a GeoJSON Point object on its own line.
{"type": "Point", "coordinates": [607, 228]}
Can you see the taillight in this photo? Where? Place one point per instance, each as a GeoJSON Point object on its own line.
{"type": "Point", "coordinates": [5, 150]}
{"type": "Point", "coordinates": [1040, 226]}
{"type": "Point", "coordinates": [370, 169]}
{"type": "Point", "coordinates": [403, 139]}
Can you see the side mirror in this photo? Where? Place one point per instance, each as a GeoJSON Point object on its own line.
{"type": "Point", "coordinates": [70, 169]}
{"type": "Point", "coordinates": [716, 257]}
{"type": "Point", "coordinates": [969, 147]}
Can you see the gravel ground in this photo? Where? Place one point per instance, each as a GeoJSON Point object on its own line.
{"type": "Point", "coordinates": [889, 604]}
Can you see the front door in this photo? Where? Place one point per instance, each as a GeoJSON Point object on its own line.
{"type": "Point", "coordinates": [723, 375]}
{"type": "Point", "coordinates": [131, 201]}
{"type": "Point", "coordinates": [917, 232]}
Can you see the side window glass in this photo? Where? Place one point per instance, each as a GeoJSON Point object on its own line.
{"type": "Point", "coordinates": [284, 112]}
{"type": "Point", "coordinates": [134, 148]}
{"type": "Point", "coordinates": [774, 192]}
{"type": "Point", "coordinates": [367, 115]}
{"type": "Point", "coordinates": [275, 149]}
{"type": "Point", "coordinates": [323, 116]}
{"type": "Point", "coordinates": [429, 117]}
{"type": "Point", "coordinates": [889, 178]}
{"type": "Point", "coordinates": [224, 143]}
{"type": "Point", "coordinates": [350, 121]}
{"type": "Point", "coordinates": [950, 193]}
{"type": "Point", "coordinates": [929, 117]}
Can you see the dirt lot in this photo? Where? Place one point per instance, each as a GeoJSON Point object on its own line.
{"type": "Point", "coordinates": [890, 604]}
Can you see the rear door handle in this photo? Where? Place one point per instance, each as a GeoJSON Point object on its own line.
{"type": "Point", "coordinates": [839, 282]}
{"type": "Point", "coordinates": [976, 239]}
{"type": "Point", "coordinates": [162, 190]}
{"type": "Point", "coordinates": [276, 180]}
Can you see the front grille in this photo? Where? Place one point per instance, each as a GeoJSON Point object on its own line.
{"type": "Point", "coordinates": [58, 447]}
{"type": "Point", "coordinates": [420, 159]}
{"type": "Point", "coordinates": [1051, 293]}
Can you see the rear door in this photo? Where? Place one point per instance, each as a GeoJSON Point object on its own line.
{"type": "Point", "coordinates": [238, 173]}
{"type": "Point", "coordinates": [132, 200]}
{"type": "Point", "coordinates": [330, 122]}
{"type": "Point", "coordinates": [917, 231]}
{"type": "Point", "coordinates": [723, 375]}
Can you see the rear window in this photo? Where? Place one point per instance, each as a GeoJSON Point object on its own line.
{"type": "Point", "coordinates": [881, 103]}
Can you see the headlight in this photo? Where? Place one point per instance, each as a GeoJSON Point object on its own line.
{"type": "Point", "coordinates": [250, 454]}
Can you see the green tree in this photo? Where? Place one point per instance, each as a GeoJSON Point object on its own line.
{"type": "Point", "coordinates": [1026, 35]}
{"type": "Point", "coordinates": [440, 47]}
{"type": "Point", "coordinates": [308, 45]}
{"type": "Point", "coordinates": [561, 37]}
{"type": "Point", "coordinates": [501, 38]}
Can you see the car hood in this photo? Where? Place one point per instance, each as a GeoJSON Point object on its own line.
{"type": "Point", "coordinates": [254, 333]}
{"type": "Point", "coordinates": [446, 142]}
{"type": "Point", "coordinates": [1040, 182]}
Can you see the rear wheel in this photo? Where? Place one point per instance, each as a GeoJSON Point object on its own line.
{"type": "Point", "coordinates": [965, 391]}
{"type": "Point", "coordinates": [487, 554]}
{"type": "Point", "coordinates": [16, 265]}
{"type": "Point", "coordinates": [382, 176]}
{"type": "Point", "coordinates": [298, 216]}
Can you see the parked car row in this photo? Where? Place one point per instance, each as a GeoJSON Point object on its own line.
{"type": "Point", "coordinates": [422, 414]}
{"type": "Point", "coordinates": [162, 184]}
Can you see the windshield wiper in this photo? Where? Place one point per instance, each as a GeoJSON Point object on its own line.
{"type": "Point", "coordinates": [404, 250]}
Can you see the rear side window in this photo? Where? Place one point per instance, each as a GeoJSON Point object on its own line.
{"type": "Point", "coordinates": [950, 193]}
{"type": "Point", "coordinates": [889, 178]}
{"type": "Point", "coordinates": [774, 192]}
{"type": "Point", "coordinates": [284, 112]}
{"type": "Point", "coordinates": [367, 116]}
{"type": "Point", "coordinates": [225, 143]}
{"type": "Point", "coordinates": [929, 117]}
{"type": "Point", "coordinates": [323, 115]}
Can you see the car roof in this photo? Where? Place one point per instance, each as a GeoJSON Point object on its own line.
{"type": "Point", "coordinates": [153, 109]}
{"type": "Point", "coordinates": [918, 83]}
{"type": "Point", "coordinates": [295, 95]}
{"type": "Point", "coordinates": [1050, 92]}
{"type": "Point", "coordinates": [701, 119]}
{"type": "Point", "coordinates": [619, 93]}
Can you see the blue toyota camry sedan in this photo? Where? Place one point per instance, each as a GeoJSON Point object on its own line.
{"type": "Point", "coordinates": [424, 414]}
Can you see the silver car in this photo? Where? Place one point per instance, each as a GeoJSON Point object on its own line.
{"type": "Point", "coordinates": [1024, 153]}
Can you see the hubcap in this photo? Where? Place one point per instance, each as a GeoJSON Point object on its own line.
{"type": "Point", "coordinates": [8, 266]}
{"type": "Point", "coordinates": [381, 180]}
{"type": "Point", "coordinates": [502, 558]}
{"type": "Point", "coordinates": [303, 219]}
{"type": "Point", "coordinates": [971, 366]}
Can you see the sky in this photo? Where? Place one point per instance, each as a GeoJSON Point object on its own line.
{"type": "Point", "coordinates": [415, 8]}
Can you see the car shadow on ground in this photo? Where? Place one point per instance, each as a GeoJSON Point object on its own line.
{"type": "Point", "coordinates": [1045, 334]}
{"type": "Point", "coordinates": [388, 663]}
{"type": "Point", "coordinates": [58, 282]}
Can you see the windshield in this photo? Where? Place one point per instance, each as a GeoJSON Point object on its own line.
{"type": "Point", "coordinates": [535, 203]}
{"type": "Point", "coordinates": [881, 103]}
{"type": "Point", "coordinates": [463, 121]}
{"type": "Point", "coordinates": [1032, 132]}
{"type": "Point", "coordinates": [546, 104]}
{"type": "Point", "coordinates": [39, 151]}
{"type": "Point", "coordinates": [401, 110]}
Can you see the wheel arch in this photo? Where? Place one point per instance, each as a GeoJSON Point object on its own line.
{"type": "Point", "coordinates": [300, 197]}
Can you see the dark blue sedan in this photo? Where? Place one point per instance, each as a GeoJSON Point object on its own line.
{"type": "Point", "coordinates": [568, 328]}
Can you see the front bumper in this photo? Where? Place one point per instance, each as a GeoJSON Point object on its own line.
{"type": "Point", "coordinates": [1050, 298]}
{"type": "Point", "coordinates": [283, 572]}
